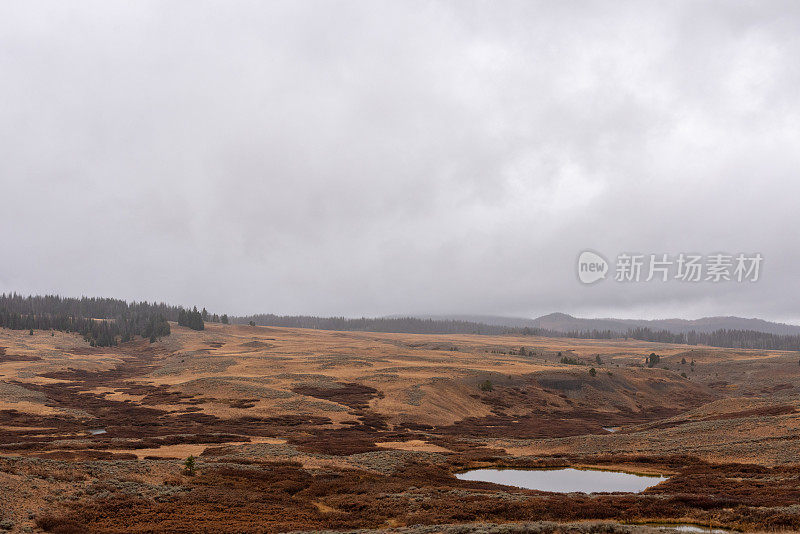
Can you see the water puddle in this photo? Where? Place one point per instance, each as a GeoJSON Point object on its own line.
{"type": "Point", "coordinates": [564, 480]}
{"type": "Point", "coordinates": [692, 528]}
{"type": "Point", "coordinates": [96, 431]}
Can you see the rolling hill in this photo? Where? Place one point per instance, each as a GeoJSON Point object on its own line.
{"type": "Point", "coordinates": [562, 322]}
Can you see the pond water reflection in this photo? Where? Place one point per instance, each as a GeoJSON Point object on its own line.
{"type": "Point", "coordinates": [564, 480]}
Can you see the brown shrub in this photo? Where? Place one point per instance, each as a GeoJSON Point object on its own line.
{"type": "Point", "coordinates": [59, 525]}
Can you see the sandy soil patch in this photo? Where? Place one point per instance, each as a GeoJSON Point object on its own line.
{"type": "Point", "coordinates": [30, 407]}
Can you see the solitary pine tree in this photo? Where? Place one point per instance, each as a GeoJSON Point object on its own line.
{"type": "Point", "coordinates": [189, 466]}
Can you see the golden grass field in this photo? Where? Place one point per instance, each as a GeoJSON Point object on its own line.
{"type": "Point", "coordinates": [402, 410]}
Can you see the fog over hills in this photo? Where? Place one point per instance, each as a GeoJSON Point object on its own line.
{"type": "Point", "coordinates": [562, 322]}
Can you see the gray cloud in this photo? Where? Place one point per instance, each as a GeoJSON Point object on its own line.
{"type": "Point", "coordinates": [398, 157]}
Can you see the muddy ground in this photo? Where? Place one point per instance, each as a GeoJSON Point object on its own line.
{"type": "Point", "coordinates": [310, 430]}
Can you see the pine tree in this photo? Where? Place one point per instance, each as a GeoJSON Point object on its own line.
{"type": "Point", "coordinates": [189, 466]}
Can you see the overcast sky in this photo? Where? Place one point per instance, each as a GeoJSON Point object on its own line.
{"type": "Point", "coordinates": [368, 158]}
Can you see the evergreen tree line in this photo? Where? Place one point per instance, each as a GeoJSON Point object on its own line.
{"type": "Point", "coordinates": [740, 339]}
{"type": "Point", "coordinates": [381, 324]}
{"type": "Point", "coordinates": [101, 321]}
{"type": "Point", "coordinates": [192, 318]}
{"type": "Point", "coordinates": [735, 339]}
{"type": "Point", "coordinates": [106, 322]}
{"type": "Point", "coordinates": [204, 315]}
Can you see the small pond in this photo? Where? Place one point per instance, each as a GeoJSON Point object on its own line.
{"type": "Point", "coordinates": [97, 431]}
{"type": "Point", "coordinates": [564, 480]}
{"type": "Point", "coordinates": [692, 528]}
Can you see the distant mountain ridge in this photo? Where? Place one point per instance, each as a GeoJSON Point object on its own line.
{"type": "Point", "coordinates": [562, 322]}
